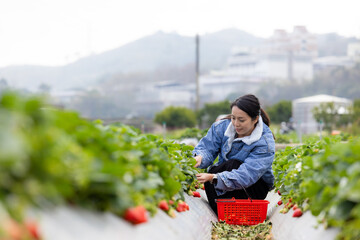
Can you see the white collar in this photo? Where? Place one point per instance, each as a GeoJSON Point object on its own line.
{"type": "Point", "coordinates": [253, 137]}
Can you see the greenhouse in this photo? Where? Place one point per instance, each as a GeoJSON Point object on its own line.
{"type": "Point", "coordinates": [302, 110]}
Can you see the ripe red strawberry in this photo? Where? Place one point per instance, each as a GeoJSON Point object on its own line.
{"type": "Point", "coordinates": [295, 207]}
{"type": "Point", "coordinates": [297, 213]}
{"type": "Point", "coordinates": [187, 206]}
{"type": "Point", "coordinates": [163, 205]}
{"type": "Point", "coordinates": [279, 192]}
{"type": "Point", "coordinates": [33, 229]}
{"type": "Point", "coordinates": [136, 215]}
{"type": "Point", "coordinates": [196, 194]}
{"type": "Point", "coordinates": [279, 202]}
{"type": "Point", "coordinates": [181, 207]}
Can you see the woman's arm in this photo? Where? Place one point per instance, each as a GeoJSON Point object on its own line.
{"type": "Point", "coordinates": [255, 165]}
{"type": "Point", "coordinates": [209, 146]}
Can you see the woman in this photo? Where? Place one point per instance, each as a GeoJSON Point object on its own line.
{"type": "Point", "coordinates": [245, 146]}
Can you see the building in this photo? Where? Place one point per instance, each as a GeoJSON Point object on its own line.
{"type": "Point", "coordinates": [156, 96]}
{"type": "Point", "coordinates": [353, 51]}
{"type": "Point", "coordinates": [302, 111]}
{"type": "Point", "coordinates": [348, 61]}
{"type": "Point", "coordinates": [283, 57]}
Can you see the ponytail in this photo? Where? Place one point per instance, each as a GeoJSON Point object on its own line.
{"type": "Point", "coordinates": [265, 117]}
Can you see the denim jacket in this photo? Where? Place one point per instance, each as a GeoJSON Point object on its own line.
{"type": "Point", "coordinates": [256, 152]}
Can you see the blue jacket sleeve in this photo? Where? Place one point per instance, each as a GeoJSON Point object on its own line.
{"type": "Point", "coordinates": [254, 166]}
{"type": "Point", "coordinates": [209, 146]}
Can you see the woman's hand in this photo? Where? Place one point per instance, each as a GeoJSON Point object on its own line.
{"type": "Point", "coordinates": [198, 160]}
{"type": "Point", "coordinates": [204, 177]}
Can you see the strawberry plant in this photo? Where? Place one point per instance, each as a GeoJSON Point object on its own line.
{"type": "Point", "coordinates": [50, 157]}
{"type": "Point", "coordinates": [324, 177]}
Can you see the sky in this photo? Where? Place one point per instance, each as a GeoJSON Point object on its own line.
{"type": "Point", "coordinates": [57, 32]}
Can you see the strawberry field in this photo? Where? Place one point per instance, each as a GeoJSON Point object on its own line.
{"type": "Point", "coordinates": [52, 158]}
{"type": "Point", "coordinates": [322, 177]}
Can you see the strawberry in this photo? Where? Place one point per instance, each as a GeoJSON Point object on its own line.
{"type": "Point", "coordinates": [187, 206]}
{"type": "Point", "coordinates": [164, 205]}
{"type": "Point", "coordinates": [295, 207]}
{"type": "Point", "coordinates": [33, 229]}
{"type": "Point", "coordinates": [171, 213]}
{"type": "Point", "coordinates": [136, 215]}
{"type": "Point", "coordinates": [13, 229]}
{"type": "Point", "coordinates": [171, 202]}
{"type": "Point", "coordinates": [279, 202]}
{"type": "Point", "coordinates": [196, 194]}
{"type": "Point", "coordinates": [202, 186]}
{"type": "Point", "coordinates": [297, 213]}
{"type": "Point", "coordinates": [182, 206]}
{"type": "Point", "coordinates": [284, 210]}
{"type": "Point", "coordinates": [279, 192]}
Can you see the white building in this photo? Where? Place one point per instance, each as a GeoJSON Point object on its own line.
{"type": "Point", "coordinates": [348, 61]}
{"type": "Point", "coordinates": [302, 110]}
{"type": "Point", "coordinates": [285, 56]}
{"type": "Point", "coordinates": [215, 88]}
{"type": "Point", "coordinates": [156, 96]}
{"type": "Point", "coordinates": [353, 51]}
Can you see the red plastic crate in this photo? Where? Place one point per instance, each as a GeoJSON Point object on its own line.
{"type": "Point", "coordinates": [242, 211]}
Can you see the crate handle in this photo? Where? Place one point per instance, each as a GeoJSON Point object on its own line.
{"type": "Point", "coordinates": [226, 200]}
{"type": "Point", "coordinates": [229, 200]}
{"type": "Point", "coordinates": [247, 193]}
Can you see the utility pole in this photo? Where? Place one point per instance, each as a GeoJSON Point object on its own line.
{"type": "Point", "coordinates": [197, 56]}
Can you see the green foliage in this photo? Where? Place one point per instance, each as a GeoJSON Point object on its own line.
{"type": "Point", "coordinates": [356, 109]}
{"type": "Point", "coordinates": [329, 114]}
{"type": "Point", "coordinates": [280, 112]}
{"type": "Point", "coordinates": [324, 177]}
{"type": "Point", "coordinates": [355, 128]}
{"type": "Point", "coordinates": [50, 157]}
{"type": "Point", "coordinates": [176, 117]}
{"type": "Point", "coordinates": [208, 114]}
{"type": "Point", "coordinates": [194, 133]}
{"type": "Point", "coordinates": [283, 138]}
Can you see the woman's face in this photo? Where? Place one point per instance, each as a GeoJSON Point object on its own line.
{"type": "Point", "coordinates": [242, 122]}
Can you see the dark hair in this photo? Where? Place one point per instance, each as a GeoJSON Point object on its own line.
{"type": "Point", "coordinates": [250, 104]}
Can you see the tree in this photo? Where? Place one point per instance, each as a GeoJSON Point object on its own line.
{"type": "Point", "coordinates": [207, 115]}
{"type": "Point", "coordinates": [356, 109]}
{"type": "Point", "coordinates": [280, 112]}
{"type": "Point", "coordinates": [330, 115]}
{"type": "Point", "coordinates": [176, 117]}
{"type": "Point", "coordinates": [355, 128]}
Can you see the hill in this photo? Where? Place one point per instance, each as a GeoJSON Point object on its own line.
{"type": "Point", "coordinates": [158, 51]}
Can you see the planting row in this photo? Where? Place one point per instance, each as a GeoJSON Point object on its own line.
{"type": "Point", "coordinates": [50, 157]}
{"type": "Point", "coordinates": [324, 178]}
